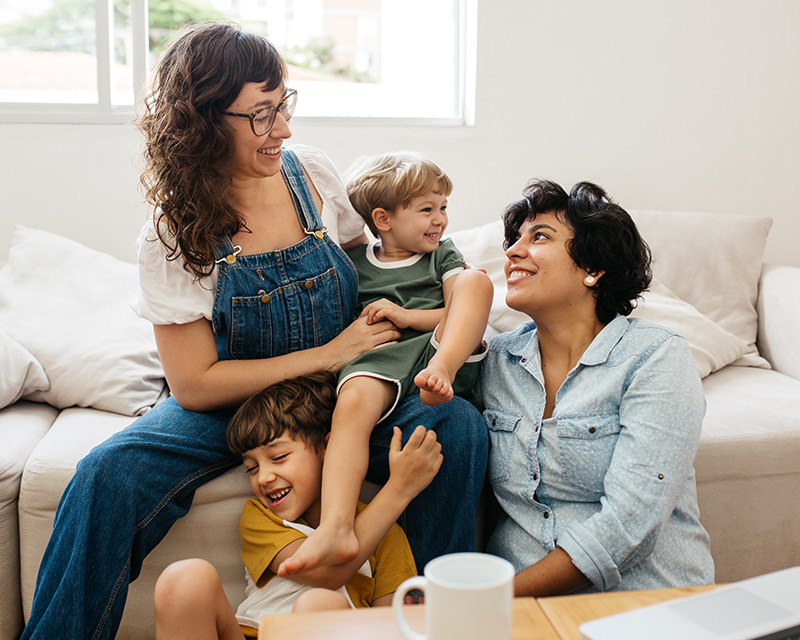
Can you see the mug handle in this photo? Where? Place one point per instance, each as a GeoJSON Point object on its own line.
{"type": "Point", "coordinates": [417, 582]}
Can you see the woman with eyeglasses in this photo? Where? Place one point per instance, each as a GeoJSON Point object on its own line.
{"type": "Point", "coordinates": [243, 275]}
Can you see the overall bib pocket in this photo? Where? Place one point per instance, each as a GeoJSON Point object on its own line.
{"type": "Point", "coordinates": [296, 316]}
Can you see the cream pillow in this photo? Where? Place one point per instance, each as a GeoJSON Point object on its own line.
{"type": "Point", "coordinates": [712, 261]}
{"type": "Point", "coordinates": [712, 346]}
{"type": "Point", "coordinates": [69, 306]}
{"type": "Point", "coordinates": [21, 372]}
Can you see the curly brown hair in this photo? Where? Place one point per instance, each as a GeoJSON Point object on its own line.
{"type": "Point", "coordinates": [187, 141]}
{"type": "Point", "coordinates": [300, 406]}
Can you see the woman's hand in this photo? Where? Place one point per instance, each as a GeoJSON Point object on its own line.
{"type": "Point", "coordinates": [357, 338]}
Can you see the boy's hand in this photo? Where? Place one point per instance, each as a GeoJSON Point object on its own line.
{"type": "Point", "coordinates": [384, 309]}
{"type": "Point", "coordinates": [412, 467]}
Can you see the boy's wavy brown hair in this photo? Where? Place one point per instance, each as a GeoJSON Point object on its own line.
{"type": "Point", "coordinates": [187, 141]}
{"type": "Point", "coordinates": [300, 406]}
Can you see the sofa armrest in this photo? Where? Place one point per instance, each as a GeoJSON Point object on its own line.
{"type": "Point", "coordinates": [779, 318]}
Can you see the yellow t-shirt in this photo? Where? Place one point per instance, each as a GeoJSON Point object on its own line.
{"type": "Point", "coordinates": [263, 535]}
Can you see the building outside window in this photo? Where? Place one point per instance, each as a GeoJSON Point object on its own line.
{"type": "Point", "coordinates": [86, 60]}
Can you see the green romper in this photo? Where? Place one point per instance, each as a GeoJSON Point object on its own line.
{"type": "Point", "coordinates": [414, 283]}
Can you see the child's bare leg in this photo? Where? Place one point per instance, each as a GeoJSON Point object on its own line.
{"type": "Point", "coordinates": [459, 334]}
{"type": "Point", "coordinates": [320, 600]}
{"type": "Point", "coordinates": [190, 603]}
{"type": "Point", "coordinates": [361, 402]}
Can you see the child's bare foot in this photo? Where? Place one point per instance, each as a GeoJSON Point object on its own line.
{"type": "Point", "coordinates": [435, 385]}
{"type": "Point", "coordinates": [325, 546]}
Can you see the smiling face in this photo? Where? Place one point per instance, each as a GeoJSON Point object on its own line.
{"type": "Point", "coordinates": [416, 228]}
{"type": "Point", "coordinates": [286, 476]}
{"type": "Point", "coordinates": [540, 273]}
{"type": "Point", "coordinates": [256, 156]}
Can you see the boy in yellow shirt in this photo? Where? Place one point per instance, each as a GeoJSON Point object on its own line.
{"type": "Point", "coordinates": [281, 434]}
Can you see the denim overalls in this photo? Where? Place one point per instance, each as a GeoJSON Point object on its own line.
{"type": "Point", "coordinates": [270, 304]}
{"type": "Point", "coordinates": [128, 491]}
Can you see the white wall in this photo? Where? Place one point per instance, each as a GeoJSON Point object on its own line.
{"type": "Point", "coordinates": [669, 104]}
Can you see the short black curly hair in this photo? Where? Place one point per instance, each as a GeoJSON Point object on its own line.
{"type": "Point", "coordinates": [605, 238]}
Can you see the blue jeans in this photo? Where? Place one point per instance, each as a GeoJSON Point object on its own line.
{"type": "Point", "coordinates": [128, 491]}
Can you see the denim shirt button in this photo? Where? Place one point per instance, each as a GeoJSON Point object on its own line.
{"type": "Point", "coordinates": [546, 515]}
{"type": "Point", "coordinates": [523, 361]}
{"type": "Point", "coordinates": [264, 296]}
{"type": "Point", "coordinates": [308, 284]}
{"type": "Point", "coordinates": [592, 429]}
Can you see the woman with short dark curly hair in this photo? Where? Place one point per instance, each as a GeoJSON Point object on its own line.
{"type": "Point", "coordinates": [594, 418]}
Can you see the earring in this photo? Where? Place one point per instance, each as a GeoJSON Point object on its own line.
{"type": "Point", "coordinates": [589, 279]}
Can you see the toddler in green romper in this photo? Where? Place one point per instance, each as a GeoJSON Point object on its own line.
{"type": "Point", "coordinates": [417, 281]}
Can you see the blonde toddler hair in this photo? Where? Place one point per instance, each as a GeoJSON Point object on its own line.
{"type": "Point", "coordinates": [393, 180]}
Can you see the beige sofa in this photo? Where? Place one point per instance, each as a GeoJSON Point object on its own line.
{"type": "Point", "coordinates": [67, 308]}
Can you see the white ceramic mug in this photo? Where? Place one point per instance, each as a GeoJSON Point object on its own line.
{"type": "Point", "coordinates": [467, 596]}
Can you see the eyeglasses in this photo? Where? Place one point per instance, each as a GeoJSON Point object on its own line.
{"type": "Point", "coordinates": [261, 121]}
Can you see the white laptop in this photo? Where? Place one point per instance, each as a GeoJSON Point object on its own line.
{"type": "Point", "coordinates": [762, 608]}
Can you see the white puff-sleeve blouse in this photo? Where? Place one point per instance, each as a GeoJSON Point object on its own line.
{"type": "Point", "coordinates": [169, 294]}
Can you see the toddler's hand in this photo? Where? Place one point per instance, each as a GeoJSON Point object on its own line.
{"type": "Point", "coordinates": [413, 466]}
{"type": "Point", "coordinates": [384, 309]}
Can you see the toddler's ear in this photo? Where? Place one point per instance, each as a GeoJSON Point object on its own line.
{"type": "Point", "coordinates": [381, 219]}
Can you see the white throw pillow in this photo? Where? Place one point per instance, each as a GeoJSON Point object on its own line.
{"type": "Point", "coordinates": [21, 372]}
{"type": "Point", "coordinates": [712, 261]}
{"type": "Point", "coordinates": [70, 307]}
{"type": "Point", "coordinates": [712, 346]}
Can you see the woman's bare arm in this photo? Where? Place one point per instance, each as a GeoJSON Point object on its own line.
{"type": "Point", "coordinates": [553, 575]}
{"type": "Point", "coordinates": [201, 382]}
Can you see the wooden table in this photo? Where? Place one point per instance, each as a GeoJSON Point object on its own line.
{"type": "Point", "coordinates": [529, 623]}
{"type": "Point", "coordinates": [566, 613]}
{"type": "Point", "coordinates": [554, 618]}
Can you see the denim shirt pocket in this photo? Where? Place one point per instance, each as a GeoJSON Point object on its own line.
{"type": "Point", "coordinates": [586, 445]}
{"type": "Point", "coordinates": [502, 435]}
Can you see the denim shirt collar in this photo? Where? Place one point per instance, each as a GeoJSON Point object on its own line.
{"type": "Point", "coordinates": [526, 343]}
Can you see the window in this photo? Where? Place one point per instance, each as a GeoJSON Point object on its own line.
{"type": "Point", "coordinates": [85, 60]}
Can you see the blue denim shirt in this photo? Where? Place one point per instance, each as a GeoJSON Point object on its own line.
{"type": "Point", "coordinates": [609, 476]}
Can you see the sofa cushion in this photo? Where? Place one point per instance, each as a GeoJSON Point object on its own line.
{"type": "Point", "coordinates": [210, 530]}
{"type": "Point", "coordinates": [748, 471]}
{"type": "Point", "coordinates": [712, 346]}
{"type": "Point", "coordinates": [22, 373]}
{"type": "Point", "coordinates": [712, 261]}
{"type": "Point", "coordinates": [70, 307]}
{"type": "Point", "coordinates": [22, 426]}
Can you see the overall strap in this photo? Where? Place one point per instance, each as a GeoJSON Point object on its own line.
{"type": "Point", "coordinates": [225, 251]}
{"type": "Point", "coordinates": [295, 178]}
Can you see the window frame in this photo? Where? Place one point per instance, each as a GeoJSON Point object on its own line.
{"type": "Point", "coordinates": [104, 112]}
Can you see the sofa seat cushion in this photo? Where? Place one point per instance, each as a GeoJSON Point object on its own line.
{"type": "Point", "coordinates": [752, 417]}
{"type": "Point", "coordinates": [210, 530]}
{"type": "Point", "coordinates": [748, 471]}
{"type": "Point", "coordinates": [22, 426]}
